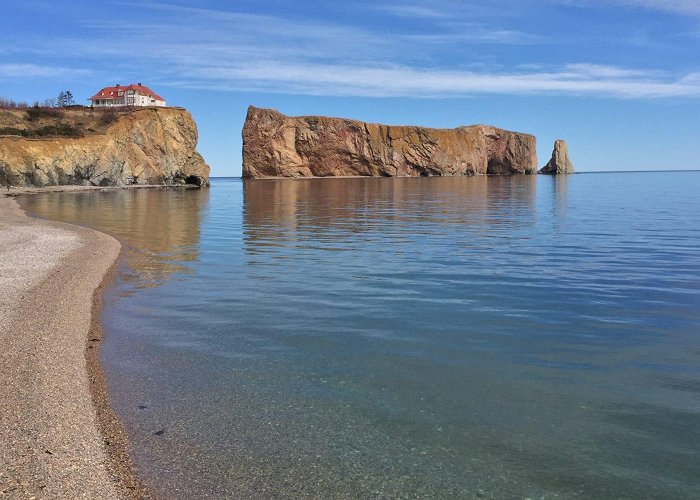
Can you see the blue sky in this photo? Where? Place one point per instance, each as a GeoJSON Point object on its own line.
{"type": "Point", "coordinates": [618, 79]}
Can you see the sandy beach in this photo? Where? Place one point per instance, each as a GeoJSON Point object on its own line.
{"type": "Point", "coordinates": [58, 437]}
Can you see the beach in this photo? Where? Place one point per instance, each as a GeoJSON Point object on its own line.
{"type": "Point", "coordinates": [58, 437]}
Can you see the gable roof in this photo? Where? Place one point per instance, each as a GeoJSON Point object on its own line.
{"type": "Point", "coordinates": [113, 92]}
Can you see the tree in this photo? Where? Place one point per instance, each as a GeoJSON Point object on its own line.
{"type": "Point", "coordinates": [65, 98]}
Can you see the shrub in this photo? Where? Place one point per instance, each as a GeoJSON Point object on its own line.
{"type": "Point", "coordinates": [57, 130]}
{"type": "Point", "coordinates": [9, 103]}
{"type": "Point", "coordinates": [11, 131]}
{"type": "Point", "coordinates": [36, 113]}
{"type": "Point", "coordinates": [108, 117]}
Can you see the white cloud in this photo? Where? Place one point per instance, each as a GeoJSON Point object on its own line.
{"type": "Point", "coordinates": [388, 81]}
{"type": "Point", "coordinates": [267, 53]}
{"type": "Point", "coordinates": [403, 10]}
{"type": "Point", "coordinates": [213, 49]}
{"type": "Point", "coordinates": [691, 7]}
{"type": "Point", "coordinates": [40, 71]}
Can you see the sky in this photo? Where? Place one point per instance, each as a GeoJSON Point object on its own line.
{"type": "Point", "coordinates": [619, 80]}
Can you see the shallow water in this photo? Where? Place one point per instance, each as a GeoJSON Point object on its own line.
{"type": "Point", "coordinates": [467, 337]}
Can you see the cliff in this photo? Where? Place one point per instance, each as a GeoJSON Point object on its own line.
{"type": "Point", "coordinates": [100, 147]}
{"type": "Point", "coordinates": [275, 145]}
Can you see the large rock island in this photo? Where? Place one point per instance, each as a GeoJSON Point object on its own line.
{"type": "Point", "coordinates": [99, 147]}
{"type": "Point", "coordinates": [275, 145]}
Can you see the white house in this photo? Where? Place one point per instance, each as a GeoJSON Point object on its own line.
{"type": "Point", "coordinates": [132, 95]}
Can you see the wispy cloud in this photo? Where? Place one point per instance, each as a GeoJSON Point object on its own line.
{"type": "Point", "coordinates": [224, 50]}
{"type": "Point", "coordinates": [403, 10]}
{"type": "Point", "coordinates": [40, 71]}
{"type": "Point", "coordinates": [387, 81]}
{"type": "Point", "coordinates": [691, 7]}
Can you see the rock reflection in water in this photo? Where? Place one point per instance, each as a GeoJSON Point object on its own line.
{"type": "Point", "coordinates": [331, 212]}
{"type": "Point", "coordinates": [159, 229]}
{"type": "Point", "coordinates": [422, 338]}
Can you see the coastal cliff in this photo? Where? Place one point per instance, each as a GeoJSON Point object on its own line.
{"type": "Point", "coordinates": [275, 145]}
{"type": "Point", "coordinates": [112, 147]}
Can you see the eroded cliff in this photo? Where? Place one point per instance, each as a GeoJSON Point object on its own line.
{"type": "Point", "coordinates": [275, 145]}
{"type": "Point", "coordinates": [139, 146]}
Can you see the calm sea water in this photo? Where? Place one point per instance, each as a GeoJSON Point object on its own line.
{"type": "Point", "coordinates": [443, 337]}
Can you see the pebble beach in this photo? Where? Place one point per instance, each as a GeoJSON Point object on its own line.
{"type": "Point", "coordinates": [58, 437]}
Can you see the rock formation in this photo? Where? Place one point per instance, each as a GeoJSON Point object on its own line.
{"type": "Point", "coordinates": [275, 145]}
{"type": "Point", "coordinates": [560, 162]}
{"type": "Point", "coordinates": [144, 146]}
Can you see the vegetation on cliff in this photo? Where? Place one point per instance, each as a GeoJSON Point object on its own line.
{"type": "Point", "coordinates": [46, 122]}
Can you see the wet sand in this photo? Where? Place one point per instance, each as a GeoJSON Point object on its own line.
{"type": "Point", "coordinates": [58, 436]}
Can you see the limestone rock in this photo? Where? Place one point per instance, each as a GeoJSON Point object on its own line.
{"type": "Point", "coordinates": [275, 145]}
{"type": "Point", "coordinates": [560, 162]}
{"type": "Point", "coordinates": [145, 146]}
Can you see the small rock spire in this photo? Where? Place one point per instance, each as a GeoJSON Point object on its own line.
{"type": "Point", "coordinates": [560, 162]}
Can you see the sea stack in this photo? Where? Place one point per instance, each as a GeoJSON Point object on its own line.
{"type": "Point", "coordinates": [275, 145]}
{"type": "Point", "coordinates": [560, 162]}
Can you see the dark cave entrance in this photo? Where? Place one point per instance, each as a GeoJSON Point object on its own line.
{"type": "Point", "coordinates": [193, 180]}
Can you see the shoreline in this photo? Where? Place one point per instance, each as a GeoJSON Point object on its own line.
{"type": "Point", "coordinates": [14, 191]}
{"type": "Point", "coordinates": [59, 437]}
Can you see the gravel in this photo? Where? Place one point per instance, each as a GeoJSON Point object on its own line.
{"type": "Point", "coordinates": [58, 436]}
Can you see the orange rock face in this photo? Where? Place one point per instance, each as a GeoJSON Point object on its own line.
{"type": "Point", "coordinates": [146, 146]}
{"type": "Point", "coordinates": [275, 145]}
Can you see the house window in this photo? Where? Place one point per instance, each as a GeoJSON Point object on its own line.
{"type": "Point", "coordinates": [130, 100]}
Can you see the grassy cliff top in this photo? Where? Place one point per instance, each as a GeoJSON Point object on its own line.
{"type": "Point", "coordinates": [48, 123]}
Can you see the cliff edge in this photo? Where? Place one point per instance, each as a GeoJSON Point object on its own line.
{"type": "Point", "coordinates": [275, 145]}
{"type": "Point", "coordinates": [112, 147]}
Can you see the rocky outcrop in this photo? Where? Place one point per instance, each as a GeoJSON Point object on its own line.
{"type": "Point", "coordinates": [142, 146]}
{"type": "Point", "coordinates": [275, 145]}
{"type": "Point", "coordinates": [560, 162]}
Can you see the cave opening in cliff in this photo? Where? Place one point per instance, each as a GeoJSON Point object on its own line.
{"type": "Point", "coordinates": [193, 180]}
{"type": "Point", "coordinates": [496, 167]}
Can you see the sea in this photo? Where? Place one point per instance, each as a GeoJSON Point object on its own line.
{"type": "Point", "coordinates": [469, 337]}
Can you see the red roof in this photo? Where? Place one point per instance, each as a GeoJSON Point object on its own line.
{"type": "Point", "coordinates": [113, 92]}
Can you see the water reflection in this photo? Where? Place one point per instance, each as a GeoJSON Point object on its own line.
{"type": "Point", "coordinates": [159, 229]}
{"type": "Point", "coordinates": [431, 338]}
{"type": "Point", "coordinates": [278, 212]}
{"type": "Point", "coordinates": [561, 192]}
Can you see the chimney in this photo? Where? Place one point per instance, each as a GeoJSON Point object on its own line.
{"type": "Point", "coordinates": [139, 84]}
{"type": "Point", "coordinates": [118, 85]}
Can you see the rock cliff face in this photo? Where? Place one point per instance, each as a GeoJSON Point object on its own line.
{"type": "Point", "coordinates": [275, 145]}
{"type": "Point", "coordinates": [144, 146]}
{"type": "Point", "coordinates": [560, 162]}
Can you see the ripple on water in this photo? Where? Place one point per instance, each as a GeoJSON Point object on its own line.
{"type": "Point", "coordinates": [494, 337]}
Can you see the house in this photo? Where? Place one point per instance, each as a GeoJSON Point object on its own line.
{"type": "Point", "coordinates": [131, 95]}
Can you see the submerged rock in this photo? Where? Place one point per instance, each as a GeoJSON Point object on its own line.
{"type": "Point", "coordinates": [142, 146]}
{"type": "Point", "coordinates": [560, 162]}
{"type": "Point", "coordinates": [275, 145]}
